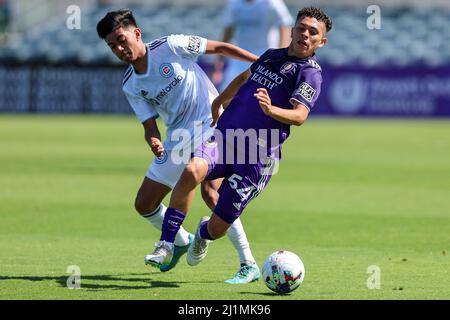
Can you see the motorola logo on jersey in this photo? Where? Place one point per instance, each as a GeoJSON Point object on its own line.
{"type": "Point", "coordinates": [169, 87]}
{"type": "Point", "coordinates": [157, 100]}
{"type": "Point", "coordinates": [153, 102]}
{"type": "Point", "coordinates": [166, 70]}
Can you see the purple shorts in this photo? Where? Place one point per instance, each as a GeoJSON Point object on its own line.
{"type": "Point", "coordinates": [243, 181]}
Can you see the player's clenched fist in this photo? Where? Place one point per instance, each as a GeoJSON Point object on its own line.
{"type": "Point", "coordinates": [157, 147]}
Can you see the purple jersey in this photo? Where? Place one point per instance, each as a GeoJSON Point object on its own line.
{"type": "Point", "coordinates": [287, 79]}
{"type": "Point", "coordinates": [242, 183]}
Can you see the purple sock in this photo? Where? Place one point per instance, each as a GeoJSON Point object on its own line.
{"type": "Point", "coordinates": [172, 222]}
{"type": "Point", "coordinates": [204, 234]}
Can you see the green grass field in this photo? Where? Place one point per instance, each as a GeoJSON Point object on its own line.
{"type": "Point", "coordinates": [350, 194]}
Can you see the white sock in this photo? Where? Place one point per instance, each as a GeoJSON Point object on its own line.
{"type": "Point", "coordinates": [156, 218]}
{"type": "Point", "coordinates": [238, 238]}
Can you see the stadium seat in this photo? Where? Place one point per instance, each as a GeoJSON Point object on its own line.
{"type": "Point", "coordinates": [351, 41]}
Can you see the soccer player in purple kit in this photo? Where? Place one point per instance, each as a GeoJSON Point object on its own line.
{"type": "Point", "coordinates": [278, 91]}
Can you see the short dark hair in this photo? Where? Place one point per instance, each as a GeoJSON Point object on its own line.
{"type": "Point", "coordinates": [113, 20]}
{"type": "Point", "coordinates": [317, 13]}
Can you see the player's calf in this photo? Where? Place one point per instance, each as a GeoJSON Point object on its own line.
{"type": "Point", "coordinates": [209, 192]}
{"type": "Point", "coordinates": [149, 196]}
{"type": "Point", "coordinates": [217, 227]}
{"type": "Point", "coordinates": [145, 206]}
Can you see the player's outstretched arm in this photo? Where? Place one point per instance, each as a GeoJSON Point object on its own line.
{"type": "Point", "coordinates": [225, 97]}
{"type": "Point", "coordinates": [229, 50]}
{"type": "Point", "coordinates": [153, 137]}
{"type": "Point", "coordinates": [295, 116]}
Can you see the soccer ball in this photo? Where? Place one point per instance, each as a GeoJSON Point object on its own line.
{"type": "Point", "coordinates": [283, 271]}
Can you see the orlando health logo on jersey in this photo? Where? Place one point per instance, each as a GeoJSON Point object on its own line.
{"type": "Point", "coordinates": [266, 77]}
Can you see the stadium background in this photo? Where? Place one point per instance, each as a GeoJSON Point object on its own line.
{"type": "Point", "coordinates": [364, 182]}
{"type": "Point", "coordinates": [401, 69]}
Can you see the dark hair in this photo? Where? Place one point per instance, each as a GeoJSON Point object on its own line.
{"type": "Point", "coordinates": [113, 20]}
{"type": "Point", "coordinates": [317, 13]}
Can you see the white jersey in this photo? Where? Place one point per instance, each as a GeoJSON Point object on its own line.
{"type": "Point", "coordinates": [174, 86]}
{"type": "Point", "coordinates": [253, 21]}
{"type": "Point", "coordinates": [256, 28]}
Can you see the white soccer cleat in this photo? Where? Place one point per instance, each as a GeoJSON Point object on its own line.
{"type": "Point", "coordinates": [162, 254]}
{"type": "Point", "coordinates": [248, 272]}
{"type": "Point", "coordinates": [199, 247]}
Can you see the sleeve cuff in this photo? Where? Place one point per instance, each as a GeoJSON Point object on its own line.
{"type": "Point", "coordinates": [203, 44]}
{"type": "Point", "coordinates": [150, 117]}
{"type": "Point", "coordinates": [291, 100]}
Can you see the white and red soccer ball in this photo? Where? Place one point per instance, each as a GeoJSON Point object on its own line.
{"type": "Point", "coordinates": [283, 271]}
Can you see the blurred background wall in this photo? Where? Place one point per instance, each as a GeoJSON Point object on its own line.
{"type": "Point", "coordinates": [401, 69]}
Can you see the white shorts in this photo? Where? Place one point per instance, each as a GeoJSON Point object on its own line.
{"type": "Point", "coordinates": [168, 169]}
{"type": "Point", "coordinates": [165, 170]}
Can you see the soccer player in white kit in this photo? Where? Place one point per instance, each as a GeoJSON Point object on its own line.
{"type": "Point", "coordinates": [254, 25]}
{"type": "Point", "coordinates": [164, 80]}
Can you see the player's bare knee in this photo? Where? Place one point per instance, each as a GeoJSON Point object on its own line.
{"type": "Point", "coordinates": [144, 206]}
{"type": "Point", "coordinates": [193, 172]}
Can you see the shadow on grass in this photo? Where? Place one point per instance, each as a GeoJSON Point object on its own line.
{"type": "Point", "coordinates": [267, 294]}
{"type": "Point", "coordinates": [104, 282]}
